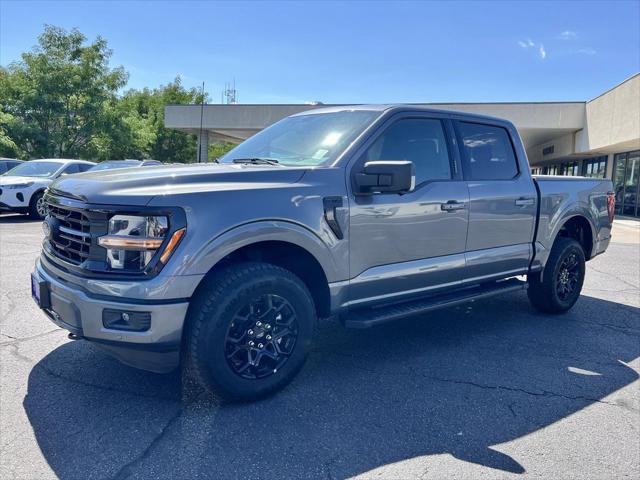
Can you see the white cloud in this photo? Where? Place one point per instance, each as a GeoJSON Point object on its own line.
{"type": "Point", "coordinates": [528, 43]}
{"type": "Point", "coordinates": [568, 35]}
{"type": "Point", "coordinates": [587, 51]}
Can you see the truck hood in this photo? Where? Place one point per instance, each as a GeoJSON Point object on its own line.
{"type": "Point", "coordinates": [137, 186]}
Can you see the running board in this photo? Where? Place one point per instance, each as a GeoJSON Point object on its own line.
{"type": "Point", "coordinates": [369, 317]}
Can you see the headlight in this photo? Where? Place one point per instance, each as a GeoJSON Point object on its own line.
{"type": "Point", "coordinates": [132, 241]}
{"type": "Point", "coordinates": [17, 185]}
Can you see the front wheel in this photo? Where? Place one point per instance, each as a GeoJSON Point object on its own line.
{"type": "Point", "coordinates": [249, 331]}
{"type": "Point", "coordinates": [562, 278]}
{"type": "Point", "coordinates": [37, 206]}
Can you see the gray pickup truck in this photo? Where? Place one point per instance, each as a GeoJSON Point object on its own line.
{"type": "Point", "coordinates": [365, 213]}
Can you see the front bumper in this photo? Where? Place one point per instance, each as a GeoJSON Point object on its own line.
{"type": "Point", "coordinates": [13, 199]}
{"type": "Point", "coordinates": [81, 313]}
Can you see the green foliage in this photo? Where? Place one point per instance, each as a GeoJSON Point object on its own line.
{"type": "Point", "coordinates": [61, 100]}
{"type": "Point", "coordinates": [58, 94]}
{"type": "Point", "coordinates": [217, 150]}
{"type": "Point", "coordinates": [142, 112]}
{"type": "Point", "coordinates": [8, 147]}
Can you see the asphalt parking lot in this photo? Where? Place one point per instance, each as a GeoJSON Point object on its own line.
{"type": "Point", "coordinates": [487, 390]}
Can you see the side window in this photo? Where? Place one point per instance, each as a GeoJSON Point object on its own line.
{"type": "Point", "coordinates": [69, 169]}
{"type": "Point", "coordinates": [420, 140]}
{"type": "Point", "coordinates": [83, 167]}
{"type": "Point", "coordinates": [488, 151]}
{"type": "Point", "coordinates": [4, 167]}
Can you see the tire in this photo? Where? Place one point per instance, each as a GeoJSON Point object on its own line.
{"type": "Point", "coordinates": [243, 303]}
{"type": "Point", "coordinates": [562, 278]}
{"type": "Point", "coordinates": [36, 206]}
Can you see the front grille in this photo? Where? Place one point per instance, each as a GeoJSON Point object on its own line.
{"type": "Point", "coordinates": [70, 237]}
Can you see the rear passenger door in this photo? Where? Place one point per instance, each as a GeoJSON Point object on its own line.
{"type": "Point", "coordinates": [502, 203]}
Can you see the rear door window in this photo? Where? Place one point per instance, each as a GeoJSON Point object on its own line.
{"type": "Point", "coordinates": [487, 151]}
{"type": "Point", "coordinates": [71, 169]}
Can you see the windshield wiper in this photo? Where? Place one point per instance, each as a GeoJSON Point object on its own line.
{"type": "Point", "coordinates": [257, 161]}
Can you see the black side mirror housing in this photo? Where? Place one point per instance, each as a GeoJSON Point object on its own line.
{"type": "Point", "coordinates": [390, 176]}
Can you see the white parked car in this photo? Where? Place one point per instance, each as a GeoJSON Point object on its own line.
{"type": "Point", "coordinates": [22, 187]}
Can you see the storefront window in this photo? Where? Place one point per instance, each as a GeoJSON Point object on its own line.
{"type": "Point", "coordinates": [571, 169]}
{"type": "Point", "coordinates": [626, 175]}
{"type": "Point", "coordinates": [595, 167]}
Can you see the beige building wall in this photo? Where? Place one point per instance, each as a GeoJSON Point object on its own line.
{"type": "Point", "coordinates": [613, 120]}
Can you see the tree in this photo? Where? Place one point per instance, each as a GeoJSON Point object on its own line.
{"type": "Point", "coordinates": [8, 147]}
{"type": "Point", "coordinates": [143, 112]}
{"type": "Point", "coordinates": [217, 150]}
{"type": "Point", "coordinates": [61, 97]}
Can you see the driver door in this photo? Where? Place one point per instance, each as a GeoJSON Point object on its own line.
{"type": "Point", "coordinates": [411, 243]}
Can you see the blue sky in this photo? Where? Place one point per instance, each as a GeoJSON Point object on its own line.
{"type": "Point", "coordinates": [356, 52]}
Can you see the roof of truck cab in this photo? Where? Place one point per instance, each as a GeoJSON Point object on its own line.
{"type": "Point", "coordinates": [399, 107]}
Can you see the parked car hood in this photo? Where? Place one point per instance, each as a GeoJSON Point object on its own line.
{"type": "Point", "coordinates": [137, 186]}
{"type": "Point", "coordinates": [16, 180]}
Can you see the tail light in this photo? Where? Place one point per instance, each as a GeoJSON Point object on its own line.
{"type": "Point", "coordinates": [611, 205]}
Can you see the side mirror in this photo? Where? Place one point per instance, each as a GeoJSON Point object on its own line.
{"type": "Point", "coordinates": [393, 176]}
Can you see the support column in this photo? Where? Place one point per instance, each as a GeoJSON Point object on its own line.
{"type": "Point", "coordinates": [203, 147]}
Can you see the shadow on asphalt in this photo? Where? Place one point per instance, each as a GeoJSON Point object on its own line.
{"type": "Point", "coordinates": [459, 383]}
{"type": "Point", "coordinates": [16, 218]}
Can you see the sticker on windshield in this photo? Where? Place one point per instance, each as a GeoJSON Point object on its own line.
{"type": "Point", "coordinates": [320, 154]}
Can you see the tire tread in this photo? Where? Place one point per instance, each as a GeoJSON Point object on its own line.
{"type": "Point", "coordinates": [224, 282]}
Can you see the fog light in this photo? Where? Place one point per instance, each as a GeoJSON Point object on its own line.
{"type": "Point", "coordinates": [20, 197]}
{"type": "Point", "coordinates": [126, 320]}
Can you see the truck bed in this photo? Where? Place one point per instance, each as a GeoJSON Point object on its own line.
{"type": "Point", "coordinates": [563, 197]}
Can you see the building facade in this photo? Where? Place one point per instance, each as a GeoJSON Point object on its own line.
{"type": "Point", "coordinates": [598, 138]}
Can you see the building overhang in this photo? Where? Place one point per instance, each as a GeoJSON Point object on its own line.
{"type": "Point", "coordinates": [549, 130]}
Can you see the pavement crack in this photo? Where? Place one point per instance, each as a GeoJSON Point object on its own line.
{"type": "Point", "coordinates": [16, 353]}
{"type": "Point", "coordinates": [635, 287]}
{"type": "Point", "coordinates": [127, 470]}
{"type": "Point", "coordinates": [616, 328]}
{"type": "Point", "coordinates": [16, 340]}
{"type": "Point", "coordinates": [100, 387]}
{"type": "Point", "coordinates": [542, 393]}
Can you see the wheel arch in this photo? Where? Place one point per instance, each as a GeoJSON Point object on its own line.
{"type": "Point", "coordinates": [287, 245]}
{"type": "Point", "coordinates": [579, 228]}
{"type": "Point", "coordinates": [36, 192]}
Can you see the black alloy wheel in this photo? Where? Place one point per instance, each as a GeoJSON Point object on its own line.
{"type": "Point", "coordinates": [261, 337]}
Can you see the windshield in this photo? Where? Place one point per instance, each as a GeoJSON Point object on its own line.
{"type": "Point", "coordinates": [34, 169]}
{"type": "Point", "coordinates": [304, 140]}
{"type": "Point", "coordinates": [110, 165]}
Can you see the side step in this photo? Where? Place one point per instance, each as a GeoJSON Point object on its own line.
{"type": "Point", "coordinates": [369, 317]}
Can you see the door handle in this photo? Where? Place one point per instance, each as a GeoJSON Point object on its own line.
{"type": "Point", "coordinates": [523, 202]}
{"type": "Point", "coordinates": [451, 206]}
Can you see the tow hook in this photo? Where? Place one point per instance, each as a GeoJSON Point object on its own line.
{"type": "Point", "coordinates": [73, 336]}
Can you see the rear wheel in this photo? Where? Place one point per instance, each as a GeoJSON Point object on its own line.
{"type": "Point", "coordinates": [37, 206]}
{"type": "Point", "coordinates": [562, 279]}
{"type": "Point", "coordinates": [250, 330]}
